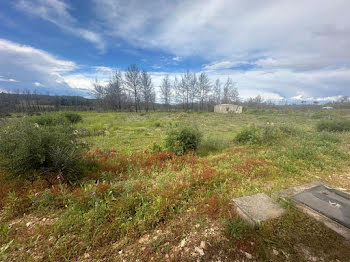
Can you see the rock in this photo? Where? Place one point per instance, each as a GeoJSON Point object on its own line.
{"type": "Point", "coordinates": [199, 251]}
{"type": "Point", "coordinates": [120, 252]}
{"type": "Point", "coordinates": [183, 243]}
{"type": "Point", "coordinates": [29, 224]}
{"type": "Point", "coordinates": [143, 239]}
{"type": "Point", "coordinates": [202, 245]}
{"type": "Point", "coordinates": [275, 252]}
{"type": "Point", "coordinates": [249, 256]}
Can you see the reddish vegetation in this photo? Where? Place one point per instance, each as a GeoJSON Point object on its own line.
{"type": "Point", "coordinates": [249, 165]}
{"type": "Point", "coordinates": [112, 161]}
{"type": "Point", "coordinates": [216, 206]}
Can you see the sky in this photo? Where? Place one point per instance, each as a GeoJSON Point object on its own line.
{"type": "Point", "coordinates": [279, 49]}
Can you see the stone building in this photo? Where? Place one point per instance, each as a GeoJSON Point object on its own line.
{"type": "Point", "coordinates": [228, 108]}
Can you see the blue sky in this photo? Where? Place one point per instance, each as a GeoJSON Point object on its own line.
{"type": "Point", "coordinates": [295, 50]}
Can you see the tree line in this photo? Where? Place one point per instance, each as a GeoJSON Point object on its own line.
{"type": "Point", "coordinates": [135, 90]}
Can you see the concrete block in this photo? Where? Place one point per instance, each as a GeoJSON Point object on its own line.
{"type": "Point", "coordinates": [257, 208]}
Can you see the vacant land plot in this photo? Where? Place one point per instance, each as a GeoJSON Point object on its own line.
{"type": "Point", "coordinates": [134, 200]}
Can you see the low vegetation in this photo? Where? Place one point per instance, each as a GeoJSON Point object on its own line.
{"type": "Point", "coordinates": [29, 150]}
{"type": "Point", "coordinates": [127, 186]}
{"type": "Point", "coordinates": [334, 125]}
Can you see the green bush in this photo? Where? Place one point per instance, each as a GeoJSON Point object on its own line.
{"type": "Point", "coordinates": [29, 150]}
{"type": "Point", "coordinates": [182, 140]}
{"type": "Point", "coordinates": [50, 119]}
{"type": "Point", "coordinates": [248, 135]}
{"type": "Point", "coordinates": [73, 117]}
{"type": "Point", "coordinates": [264, 135]}
{"type": "Point", "coordinates": [334, 125]}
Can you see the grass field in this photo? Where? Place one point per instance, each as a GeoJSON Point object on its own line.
{"type": "Point", "coordinates": [138, 202]}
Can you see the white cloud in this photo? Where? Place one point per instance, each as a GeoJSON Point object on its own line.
{"type": "Point", "coordinates": [37, 84]}
{"type": "Point", "coordinates": [288, 34]}
{"type": "Point", "coordinates": [32, 68]}
{"type": "Point", "coordinates": [312, 99]}
{"type": "Point", "coordinates": [176, 58]}
{"type": "Point", "coordinates": [57, 12]}
{"type": "Point", "coordinates": [293, 46]}
{"type": "Point", "coordinates": [223, 65]}
{"type": "Point", "coordinates": [2, 79]}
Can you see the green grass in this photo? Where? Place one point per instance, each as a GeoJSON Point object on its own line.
{"type": "Point", "coordinates": [132, 188]}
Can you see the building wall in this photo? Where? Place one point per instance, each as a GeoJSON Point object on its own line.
{"type": "Point", "coordinates": [228, 108]}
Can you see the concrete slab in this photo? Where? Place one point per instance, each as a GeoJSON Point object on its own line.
{"type": "Point", "coordinates": [257, 208]}
{"type": "Point", "coordinates": [295, 193]}
{"type": "Point", "coordinates": [332, 203]}
{"type": "Point", "coordinates": [287, 193]}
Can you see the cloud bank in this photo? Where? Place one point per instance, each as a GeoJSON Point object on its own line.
{"type": "Point", "coordinates": [278, 49]}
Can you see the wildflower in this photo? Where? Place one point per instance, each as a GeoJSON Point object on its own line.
{"type": "Point", "coordinates": [93, 193]}
{"type": "Point", "coordinates": [58, 177]}
{"type": "Point", "coordinates": [36, 194]}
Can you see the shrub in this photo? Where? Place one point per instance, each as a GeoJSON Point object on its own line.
{"type": "Point", "coordinates": [50, 119]}
{"type": "Point", "coordinates": [73, 117]}
{"type": "Point", "coordinates": [334, 125]}
{"type": "Point", "coordinates": [248, 135]}
{"type": "Point", "coordinates": [270, 134]}
{"type": "Point", "coordinates": [182, 140]}
{"type": "Point", "coordinates": [264, 135]}
{"type": "Point", "coordinates": [28, 150]}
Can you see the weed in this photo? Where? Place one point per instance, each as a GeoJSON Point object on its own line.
{"type": "Point", "coordinates": [236, 228]}
{"type": "Point", "coordinates": [211, 144]}
{"type": "Point", "coordinates": [5, 233]}
{"type": "Point", "coordinates": [156, 148]}
{"type": "Point", "coordinates": [16, 206]}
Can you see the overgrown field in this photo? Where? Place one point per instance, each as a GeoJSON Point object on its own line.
{"type": "Point", "coordinates": [159, 186]}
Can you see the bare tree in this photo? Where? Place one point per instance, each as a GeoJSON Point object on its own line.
{"type": "Point", "coordinates": [230, 93]}
{"type": "Point", "coordinates": [204, 87]}
{"type": "Point", "coordinates": [166, 91]}
{"type": "Point", "coordinates": [182, 90]}
{"type": "Point", "coordinates": [146, 88]}
{"type": "Point", "coordinates": [185, 86]}
{"type": "Point", "coordinates": [132, 80]}
{"type": "Point", "coordinates": [344, 99]}
{"type": "Point", "coordinates": [217, 92]}
{"type": "Point", "coordinates": [114, 91]}
{"type": "Point", "coordinates": [98, 92]}
{"type": "Point", "coordinates": [192, 90]}
{"type": "Point", "coordinates": [255, 101]}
